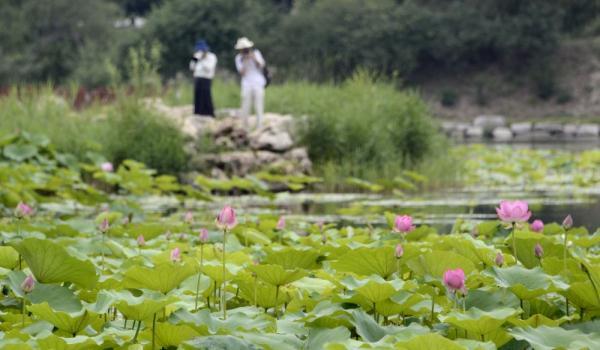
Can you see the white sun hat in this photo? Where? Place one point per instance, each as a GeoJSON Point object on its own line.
{"type": "Point", "coordinates": [243, 43]}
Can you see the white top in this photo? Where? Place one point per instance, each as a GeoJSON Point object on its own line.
{"type": "Point", "coordinates": [252, 75]}
{"type": "Point", "coordinates": [205, 66]}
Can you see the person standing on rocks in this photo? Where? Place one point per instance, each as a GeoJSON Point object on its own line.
{"type": "Point", "coordinates": [250, 64]}
{"type": "Point", "coordinates": [203, 64]}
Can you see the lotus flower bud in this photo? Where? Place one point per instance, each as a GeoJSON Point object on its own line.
{"type": "Point", "coordinates": [226, 218]}
{"type": "Point", "coordinates": [537, 226]}
{"type": "Point", "coordinates": [513, 211]}
{"type": "Point", "coordinates": [141, 241]}
{"type": "Point", "coordinates": [281, 223]}
{"type": "Point", "coordinates": [567, 222]}
{"type": "Point", "coordinates": [22, 210]}
{"type": "Point", "coordinates": [203, 235]}
{"type": "Point", "coordinates": [176, 255]}
{"type": "Point", "coordinates": [499, 259]}
{"type": "Point", "coordinates": [454, 280]}
{"type": "Point", "coordinates": [104, 225]}
{"type": "Point", "coordinates": [188, 217]}
{"type": "Point", "coordinates": [107, 167]}
{"type": "Point", "coordinates": [403, 224]}
{"type": "Point", "coordinates": [399, 251]}
{"type": "Point", "coordinates": [28, 284]}
{"type": "Point", "coordinates": [538, 251]}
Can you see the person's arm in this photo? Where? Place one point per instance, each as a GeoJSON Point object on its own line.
{"type": "Point", "coordinates": [192, 65]}
{"type": "Point", "coordinates": [258, 58]}
{"type": "Point", "coordinates": [239, 64]}
{"type": "Point", "coordinates": [210, 64]}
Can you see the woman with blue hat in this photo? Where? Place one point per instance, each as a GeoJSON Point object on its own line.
{"type": "Point", "coordinates": [203, 64]}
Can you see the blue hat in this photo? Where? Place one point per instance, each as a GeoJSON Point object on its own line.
{"type": "Point", "coordinates": [201, 45]}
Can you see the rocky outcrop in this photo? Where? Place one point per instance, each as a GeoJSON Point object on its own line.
{"type": "Point", "coordinates": [236, 148]}
{"type": "Point", "coordinates": [495, 128]}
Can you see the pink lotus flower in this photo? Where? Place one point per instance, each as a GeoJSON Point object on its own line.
{"type": "Point", "coordinates": [141, 241]}
{"type": "Point", "coordinates": [28, 284]}
{"type": "Point", "coordinates": [188, 217]}
{"type": "Point", "coordinates": [22, 210]}
{"type": "Point", "coordinates": [107, 167]}
{"type": "Point", "coordinates": [567, 222]}
{"type": "Point", "coordinates": [176, 255]}
{"type": "Point", "coordinates": [455, 280]}
{"type": "Point", "coordinates": [499, 259]}
{"type": "Point", "coordinates": [104, 226]}
{"type": "Point", "coordinates": [399, 251]}
{"type": "Point", "coordinates": [513, 211]}
{"type": "Point", "coordinates": [203, 235]}
{"type": "Point", "coordinates": [281, 223]}
{"type": "Point", "coordinates": [403, 224]}
{"type": "Point", "coordinates": [538, 251]}
{"type": "Point", "coordinates": [226, 219]}
{"type": "Point", "coordinates": [537, 226]}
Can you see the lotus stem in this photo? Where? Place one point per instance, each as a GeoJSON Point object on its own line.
{"type": "Point", "coordinates": [153, 330]}
{"type": "Point", "coordinates": [398, 268]}
{"type": "Point", "coordinates": [199, 275]}
{"type": "Point", "coordinates": [125, 323]}
{"type": "Point", "coordinates": [137, 331]}
{"type": "Point", "coordinates": [255, 290]}
{"type": "Point", "coordinates": [23, 313]}
{"type": "Point", "coordinates": [567, 305]}
{"type": "Point", "coordinates": [514, 243]}
{"type": "Point", "coordinates": [581, 314]}
{"type": "Point", "coordinates": [223, 293]}
{"type": "Point", "coordinates": [276, 302]}
{"type": "Point", "coordinates": [102, 251]}
{"type": "Point", "coordinates": [432, 306]}
{"type": "Point", "coordinates": [565, 253]}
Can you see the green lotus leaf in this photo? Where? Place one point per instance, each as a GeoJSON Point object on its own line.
{"type": "Point", "coordinates": [142, 307]}
{"type": "Point", "coordinates": [163, 277]}
{"type": "Point", "coordinates": [20, 151]}
{"type": "Point", "coordinates": [70, 322]}
{"type": "Point", "coordinates": [327, 315]}
{"type": "Point", "coordinates": [318, 337]}
{"type": "Point", "coordinates": [526, 242]}
{"type": "Point", "coordinates": [435, 263]}
{"type": "Point", "coordinates": [290, 258]}
{"type": "Point", "coordinates": [372, 332]}
{"type": "Point", "coordinates": [79, 342]}
{"type": "Point", "coordinates": [536, 321]}
{"type": "Point", "coordinates": [275, 274]}
{"type": "Point", "coordinates": [9, 257]}
{"type": "Point", "coordinates": [593, 272]}
{"type": "Point", "coordinates": [265, 294]}
{"type": "Point", "coordinates": [239, 319]}
{"type": "Point", "coordinates": [556, 266]}
{"type": "Point", "coordinates": [583, 295]}
{"type": "Point", "coordinates": [525, 283]}
{"type": "Point", "coordinates": [215, 272]}
{"type": "Point", "coordinates": [479, 321]}
{"type": "Point", "coordinates": [489, 300]}
{"type": "Point", "coordinates": [430, 341]}
{"type": "Point", "coordinates": [586, 241]}
{"type": "Point", "coordinates": [404, 300]}
{"type": "Point", "coordinates": [252, 235]}
{"type": "Point", "coordinates": [50, 263]}
{"type": "Point", "coordinates": [170, 335]}
{"type": "Point", "coordinates": [376, 291]}
{"type": "Point", "coordinates": [368, 261]}
{"type": "Point", "coordinates": [314, 285]}
{"type": "Point", "coordinates": [219, 342]}
{"type": "Point", "coordinates": [58, 297]}
{"type": "Point", "coordinates": [548, 338]}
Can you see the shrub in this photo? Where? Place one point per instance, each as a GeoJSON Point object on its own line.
{"type": "Point", "coordinates": [449, 98]}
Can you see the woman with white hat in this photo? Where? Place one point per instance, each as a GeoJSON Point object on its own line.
{"type": "Point", "coordinates": [203, 64]}
{"type": "Point", "coordinates": [250, 64]}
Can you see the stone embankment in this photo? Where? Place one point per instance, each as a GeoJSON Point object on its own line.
{"type": "Point", "coordinates": [496, 128]}
{"type": "Point", "coordinates": [226, 146]}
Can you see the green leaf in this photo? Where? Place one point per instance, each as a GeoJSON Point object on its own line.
{"type": "Point", "coordinates": [50, 263]}
{"type": "Point", "coordinates": [9, 257]}
{"type": "Point", "coordinates": [225, 342]}
{"type": "Point", "coordinates": [275, 274]}
{"type": "Point", "coordinates": [376, 291]}
{"type": "Point", "coordinates": [58, 297]}
{"type": "Point", "coordinates": [436, 262]}
{"type": "Point", "coordinates": [20, 151]}
{"type": "Point", "coordinates": [430, 341]}
{"type": "Point", "coordinates": [290, 258]}
{"type": "Point", "coordinates": [168, 334]}
{"type": "Point", "coordinates": [548, 338]}
{"type": "Point", "coordinates": [72, 322]}
{"type": "Point", "coordinates": [142, 307]}
{"type": "Point", "coordinates": [163, 277]}
{"type": "Point", "coordinates": [318, 337]}
{"type": "Point", "coordinates": [478, 321]}
{"type": "Point", "coordinates": [525, 283]}
{"type": "Point", "coordinates": [368, 261]}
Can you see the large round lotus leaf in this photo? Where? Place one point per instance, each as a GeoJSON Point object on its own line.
{"type": "Point", "coordinates": [265, 294]}
{"type": "Point", "coordinates": [319, 337]}
{"type": "Point", "coordinates": [429, 341]}
{"type": "Point", "coordinates": [556, 266]}
{"type": "Point", "coordinates": [368, 261]}
{"type": "Point", "coordinates": [51, 341]}
{"type": "Point", "coordinates": [170, 335]}
{"type": "Point", "coordinates": [536, 321]}
{"type": "Point", "coordinates": [376, 291]}
{"type": "Point", "coordinates": [19, 151]}
{"type": "Point", "coordinates": [142, 307]}
{"type": "Point", "coordinates": [276, 275]}
{"type": "Point", "coordinates": [290, 258]}
{"type": "Point", "coordinates": [525, 283]}
{"type": "Point", "coordinates": [50, 263]}
{"type": "Point", "coordinates": [583, 295]}
{"type": "Point", "coordinates": [58, 297]}
{"type": "Point", "coordinates": [489, 300]}
{"type": "Point", "coordinates": [218, 342]}
{"type": "Point", "coordinates": [215, 272]}
{"type": "Point", "coordinates": [526, 242]}
{"type": "Point", "coordinates": [436, 262]}
{"type": "Point", "coordinates": [9, 257]}
{"type": "Point", "coordinates": [71, 323]}
{"type": "Point", "coordinates": [162, 277]}
{"type": "Point", "coordinates": [252, 235]}
{"type": "Point", "coordinates": [479, 321]}
{"type": "Point", "coordinates": [586, 241]}
{"type": "Point", "coordinates": [548, 338]}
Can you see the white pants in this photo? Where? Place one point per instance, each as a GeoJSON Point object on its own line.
{"type": "Point", "coordinates": [253, 95]}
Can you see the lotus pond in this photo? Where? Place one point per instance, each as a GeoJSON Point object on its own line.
{"type": "Point", "coordinates": [126, 259]}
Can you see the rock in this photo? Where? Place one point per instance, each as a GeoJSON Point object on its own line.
{"type": "Point", "coordinates": [489, 122]}
{"type": "Point", "coordinates": [551, 128]}
{"type": "Point", "coordinates": [225, 142]}
{"type": "Point", "coordinates": [588, 130]}
{"type": "Point", "coordinates": [570, 129]}
{"type": "Point", "coordinates": [300, 156]}
{"type": "Point", "coordinates": [270, 139]}
{"type": "Point", "coordinates": [502, 134]}
{"type": "Point", "coordinates": [521, 128]}
{"type": "Point", "coordinates": [474, 132]}
{"type": "Point", "coordinates": [238, 162]}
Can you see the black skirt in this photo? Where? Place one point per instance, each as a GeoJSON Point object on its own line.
{"type": "Point", "coordinates": [202, 97]}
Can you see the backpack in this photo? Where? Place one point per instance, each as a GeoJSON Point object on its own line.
{"type": "Point", "coordinates": [267, 75]}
